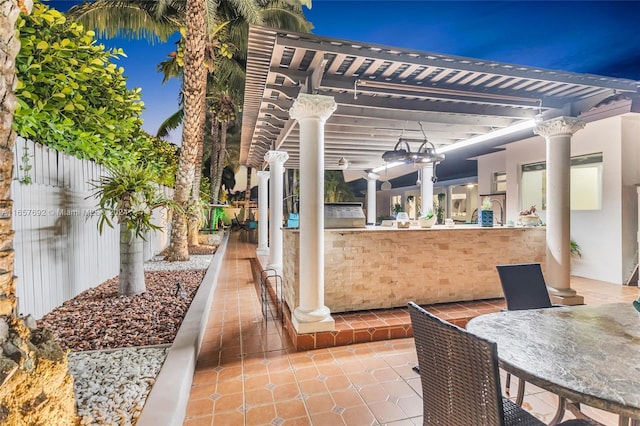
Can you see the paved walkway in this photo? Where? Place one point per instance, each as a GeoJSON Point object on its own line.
{"type": "Point", "coordinates": [247, 373]}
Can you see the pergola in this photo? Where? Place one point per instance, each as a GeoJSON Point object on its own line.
{"type": "Point", "coordinates": [381, 91]}
{"type": "Point", "coordinates": [311, 100]}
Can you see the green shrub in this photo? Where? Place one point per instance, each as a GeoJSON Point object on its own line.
{"type": "Point", "coordinates": [72, 98]}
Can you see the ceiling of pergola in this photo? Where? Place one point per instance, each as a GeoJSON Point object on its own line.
{"type": "Point", "coordinates": [385, 92]}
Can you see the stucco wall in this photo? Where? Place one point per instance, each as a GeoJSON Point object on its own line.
{"type": "Point", "coordinates": [607, 236]}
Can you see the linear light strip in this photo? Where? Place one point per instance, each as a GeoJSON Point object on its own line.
{"type": "Point", "coordinates": [525, 125]}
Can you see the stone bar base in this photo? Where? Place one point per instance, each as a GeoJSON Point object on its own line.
{"type": "Point", "coordinates": [385, 267]}
{"type": "Point", "coordinates": [363, 326]}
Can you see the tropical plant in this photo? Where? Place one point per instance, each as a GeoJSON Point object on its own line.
{"type": "Point", "coordinates": [486, 204]}
{"type": "Point", "coordinates": [71, 97]}
{"type": "Point", "coordinates": [438, 207]}
{"type": "Point", "coordinates": [335, 188]}
{"type": "Point", "coordinates": [428, 214]}
{"type": "Point", "coordinates": [127, 197]}
{"type": "Point", "coordinates": [574, 249]}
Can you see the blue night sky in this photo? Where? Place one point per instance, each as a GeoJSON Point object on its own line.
{"type": "Point", "coordinates": [596, 37]}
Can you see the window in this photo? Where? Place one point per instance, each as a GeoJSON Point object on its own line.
{"type": "Point", "coordinates": [499, 182]}
{"type": "Point", "coordinates": [586, 183]}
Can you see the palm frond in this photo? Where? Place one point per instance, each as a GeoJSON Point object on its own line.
{"type": "Point", "coordinates": [171, 123]}
{"type": "Point", "coordinates": [247, 10]}
{"type": "Point", "coordinates": [230, 74]}
{"type": "Point", "coordinates": [132, 19]}
{"type": "Point", "coordinates": [287, 19]}
{"type": "Point", "coordinates": [170, 69]}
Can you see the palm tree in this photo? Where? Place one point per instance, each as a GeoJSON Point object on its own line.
{"type": "Point", "coordinates": [135, 18]}
{"type": "Point", "coordinates": [223, 111]}
{"type": "Point", "coordinates": [194, 85]}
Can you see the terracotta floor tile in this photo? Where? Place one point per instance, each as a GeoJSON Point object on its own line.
{"type": "Point", "coordinates": [300, 421]}
{"type": "Point", "coordinates": [374, 393]}
{"type": "Point", "coordinates": [411, 405]}
{"type": "Point", "coordinates": [261, 415]}
{"type": "Point", "coordinates": [306, 373]}
{"type": "Point", "coordinates": [199, 421]}
{"type": "Point", "coordinates": [320, 403]}
{"type": "Point", "coordinates": [258, 397]}
{"type": "Point", "coordinates": [202, 391]}
{"type": "Point", "coordinates": [290, 409]}
{"type": "Point", "coordinates": [360, 415]}
{"type": "Point", "coordinates": [313, 387]}
{"type": "Point", "coordinates": [337, 383]}
{"type": "Point", "coordinates": [286, 391]}
{"type": "Point", "coordinates": [228, 419]}
{"type": "Point", "coordinates": [386, 411]}
{"type": "Point", "coordinates": [228, 402]}
{"type": "Point", "coordinates": [398, 389]}
{"type": "Point", "coordinates": [205, 376]}
{"type": "Point", "coordinates": [229, 373]}
{"type": "Point", "coordinates": [224, 387]}
{"type": "Point", "coordinates": [348, 398]}
{"type": "Point", "coordinates": [247, 360]}
{"type": "Point", "coordinates": [199, 407]}
{"type": "Point", "coordinates": [256, 382]}
{"type": "Point", "coordinates": [385, 374]}
{"type": "Point", "coordinates": [327, 419]}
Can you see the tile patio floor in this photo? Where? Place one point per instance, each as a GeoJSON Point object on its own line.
{"type": "Point", "coordinates": [248, 373]}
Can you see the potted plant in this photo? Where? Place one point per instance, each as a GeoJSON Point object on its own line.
{"type": "Point", "coordinates": [485, 215]}
{"type": "Point", "coordinates": [428, 219]}
{"type": "Point", "coordinates": [529, 217]}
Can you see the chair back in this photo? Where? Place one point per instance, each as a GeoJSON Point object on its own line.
{"type": "Point", "coordinates": [459, 373]}
{"type": "Point", "coordinates": [523, 286]}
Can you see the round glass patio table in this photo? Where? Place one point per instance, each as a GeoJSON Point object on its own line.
{"type": "Point", "coordinates": [587, 354]}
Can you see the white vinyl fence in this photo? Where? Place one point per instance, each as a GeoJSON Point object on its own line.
{"type": "Point", "coordinates": [58, 250]}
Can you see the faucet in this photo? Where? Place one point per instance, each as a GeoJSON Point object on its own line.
{"type": "Point", "coordinates": [493, 200]}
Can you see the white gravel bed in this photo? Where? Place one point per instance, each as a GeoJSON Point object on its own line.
{"type": "Point", "coordinates": [194, 262]}
{"type": "Point", "coordinates": [111, 386]}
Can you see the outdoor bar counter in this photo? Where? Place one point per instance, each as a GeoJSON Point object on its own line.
{"type": "Point", "coordinates": [383, 267]}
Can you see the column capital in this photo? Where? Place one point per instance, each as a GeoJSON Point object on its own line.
{"type": "Point", "coordinates": [559, 126]}
{"type": "Point", "coordinates": [263, 174]}
{"type": "Point", "coordinates": [276, 157]}
{"type": "Point", "coordinates": [372, 176]}
{"type": "Point", "coordinates": [312, 106]}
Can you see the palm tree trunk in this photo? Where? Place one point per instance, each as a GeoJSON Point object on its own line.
{"type": "Point", "coordinates": [194, 90]}
{"type": "Point", "coordinates": [9, 48]}
{"type": "Point", "coordinates": [131, 278]}
{"type": "Point", "coordinates": [193, 225]}
{"type": "Point", "coordinates": [215, 155]}
{"type": "Point", "coordinates": [222, 146]}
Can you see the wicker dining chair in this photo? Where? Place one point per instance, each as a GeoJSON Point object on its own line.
{"type": "Point", "coordinates": [460, 377]}
{"type": "Point", "coordinates": [523, 287]}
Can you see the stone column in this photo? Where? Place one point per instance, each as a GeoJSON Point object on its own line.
{"type": "Point", "coordinates": [276, 161]}
{"type": "Point", "coordinates": [372, 178]}
{"type": "Point", "coordinates": [426, 188]}
{"type": "Point", "coordinates": [263, 213]}
{"type": "Point", "coordinates": [312, 111]}
{"type": "Point", "coordinates": [557, 133]}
